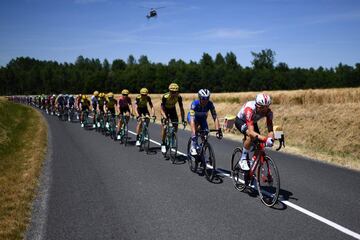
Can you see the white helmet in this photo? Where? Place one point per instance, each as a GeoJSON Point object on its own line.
{"type": "Point", "coordinates": [204, 94]}
{"type": "Point", "coordinates": [263, 99]}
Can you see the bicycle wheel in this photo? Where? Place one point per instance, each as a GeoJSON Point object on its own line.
{"type": "Point", "coordinates": [209, 162]}
{"type": "Point", "coordinates": [268, 182]}
{"type": "Point", "coordinates": [173, 146]}
{"type": "Point", "coordinates": [237, 175]}
{"type": "Point", "coordinates": [147, 141]}
{"type": "Point", "coordinates": [192, 160]}
{"type": "Point", "coordinates": [125, 133]}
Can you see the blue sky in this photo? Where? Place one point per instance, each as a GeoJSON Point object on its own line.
{"type": "Point", "coordinates": [302, 33]}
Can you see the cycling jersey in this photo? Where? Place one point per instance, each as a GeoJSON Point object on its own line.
{"type": "Point", "coordinates": [168, 102]}
{"type": "Point", "coordinates": [199, 113]}
{"type": "Point", "coordinates": [142, 102]}
{"type": "Point", "coordinates": [94, 101]}
{"type": "Point", "coordinates": [124, 101]}
{"type": "Point", "coordinates": [248, 114]}
{"type": "Point", "coordinates": [85, 103]}
{"type": "Point", "coordinates": [110, 103]}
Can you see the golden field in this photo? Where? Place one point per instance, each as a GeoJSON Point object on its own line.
{"type": "Point", "coordinates": [321, 124]}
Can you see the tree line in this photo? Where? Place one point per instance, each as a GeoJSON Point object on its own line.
{"type": "Point", "coordinates": [25, 75]}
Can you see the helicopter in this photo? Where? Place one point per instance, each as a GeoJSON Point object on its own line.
{"type": "Point", "coordinates": [153, 12]}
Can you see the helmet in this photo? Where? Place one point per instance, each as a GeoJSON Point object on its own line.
{"type": "Point", "coordinates": [204, 94]}
{"type": "Point", "coordinates": [96, 93]}
{"type": "Point", "coordinates": [125, 92]}
{"type": "Point", "coordinates": [79, 95]}
{"type": "Point", "coordinates": [102, 95]}
{"type": "Point", "coordinates": [71, 96]}
{"type": "Point", "coordinates": [174, 87]}
{"type": "Point", "coordinates": [263, 99]}
{"type": "Point", "coordinates": [83, 97]}
{"type": "Point", "coordinates": [110, 95]}
{"type": "Point", "coordinates": [144, 91]}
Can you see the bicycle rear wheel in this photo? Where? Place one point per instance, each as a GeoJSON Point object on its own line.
{"type": "Point", "coordinates": [209, 162]}
{"type": "Point", "coordinates": [237, 175]}
{"type": "Point", "coordinates": [268, 182]}
{"type": "Point", "coordinates": [192, 160]}
{"type": "Point", "coordinates": [173, 147]}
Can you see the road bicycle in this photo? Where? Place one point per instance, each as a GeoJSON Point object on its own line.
{"type": "Point", "coordinates": [263, 173]}
{"type": "Point", "coordinates": [205, 158]}
{"type": "Point", "coordinates": [144, 136]}
{"type": "Point", "coordinates": [110, 125]}
{"type": "Point", "coordinates": [124, 130]}
{"type": "Point", "coordinates": [171, 142]}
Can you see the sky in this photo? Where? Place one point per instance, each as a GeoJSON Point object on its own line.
{"type": "Point", "coordinates": [303, 33]}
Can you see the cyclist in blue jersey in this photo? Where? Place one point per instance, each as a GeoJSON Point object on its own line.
{"type": "Point", "coordinates": [197, 117]}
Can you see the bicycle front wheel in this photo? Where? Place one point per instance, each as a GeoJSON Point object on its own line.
{"type": "Point", "coordinates": [192, 161]}
{"type": "Point", "coordinates": [209, 162]}
{"type": "Point", "coordinates": [268, 182]}
{"type": "Point", "coordinates": [173, 147]}
{"type": "Point", "coordinates": [147, 141]}
{"type": "Point", "coordinates": [126, 134]}
{"type": "Point", "coordinates": [237, 174]}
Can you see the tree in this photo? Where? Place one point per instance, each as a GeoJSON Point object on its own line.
{"type": "Point", "coordinates": [264, 59]}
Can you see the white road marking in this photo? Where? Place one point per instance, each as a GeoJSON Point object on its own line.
{"type": "Point", "coordinates": [294, 206]}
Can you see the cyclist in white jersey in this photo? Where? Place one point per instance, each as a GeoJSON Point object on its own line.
{"type": "Point", "coordinates": [246, 122]}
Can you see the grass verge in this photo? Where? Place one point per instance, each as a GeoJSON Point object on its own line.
{"type": "Point", "coordinates": [23, 141]}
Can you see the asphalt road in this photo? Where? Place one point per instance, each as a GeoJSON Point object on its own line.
{"type": "Point", "coordinates": [95, 188]}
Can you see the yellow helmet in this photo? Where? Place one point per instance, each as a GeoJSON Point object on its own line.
{"type": "Point", "coordinates": [83, 97]}
{"type": "Point", "coordinates": [110, 95]}
{"type": "Point", "coordinates": [96, 93]}
{"type": "Point", "coordinates": [144, 91]}
{"type": "Point", "coordinates": [102, 95]}
{"type": "Point", "coordinates": [125, 92]}
{"type": "Point", "coordinates": [174, 87]}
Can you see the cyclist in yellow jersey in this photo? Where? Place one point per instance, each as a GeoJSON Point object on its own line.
{"type": "Point", "coordinates": [110, 104]}
{"type": "Point", "coordinates": [141, 109]}
{"type": "Point", "coordinates": [168, 111]}
{"type": "Point", "coordinates": [84, 105]}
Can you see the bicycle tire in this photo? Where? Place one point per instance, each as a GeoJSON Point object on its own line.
{"type": "Point", "coordinates": [237, 175]}
{"type": "Point", "coordinates": [209, 162]}
{"type": "Point", "coordinates": [126, 134]}
{"type": "Point", "coordinates": [268, 185]}
{"type": "Point", "coordinates": [147, 141]}
{"type": "Point", "coordinates": [173, 147]}
{"type": "Point", "coordinates": [192, 160]}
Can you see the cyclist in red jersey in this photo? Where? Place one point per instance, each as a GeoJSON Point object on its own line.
{"type": "Point", "coordinates": [246, 122]}
{"type": "Point", "coordinates": [124, 103]}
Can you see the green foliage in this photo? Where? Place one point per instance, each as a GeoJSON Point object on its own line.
{"type": "Point", "coordinates": [26, 75]}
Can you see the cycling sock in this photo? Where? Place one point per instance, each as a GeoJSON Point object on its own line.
{"type": "Point", "coordinates": [245, 153]}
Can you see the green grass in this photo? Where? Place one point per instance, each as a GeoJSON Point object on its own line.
{"type": "Point", "coordinates": [22, 149]}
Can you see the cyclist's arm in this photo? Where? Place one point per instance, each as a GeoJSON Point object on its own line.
{"type": "Point", "coordinates": [182, 112]}
{"type": "Point", "coordinates": [214, 116]}
{"type": "Point", "coordinates": [162, 108]}
{"type": "Point", "coordinates": [151, 107]}
{"type": "Point", "coordinates": [269, 123]}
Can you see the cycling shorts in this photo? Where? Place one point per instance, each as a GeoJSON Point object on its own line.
{"type": "Point", "coordinates": [243, 127]}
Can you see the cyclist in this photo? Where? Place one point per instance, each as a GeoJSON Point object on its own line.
{"type": "Point", "coordinates": [100, 107]}
{"type": "Point", "coordinates": [124, 103]}
{"type": "Point", "coordinates": [197, 117]}
{"type": "Point", "coordinates": [84, 105]}
{"type": "Point", "coordinates": [246, 122]}
{"type": "Point", "coordinates": [168, 110]}
{"type": "Point", "coordinates": [110, 105]}
{"type": "Point", "coordinates": [141, 109]}
{"type": "Point", "coordinates": [77, 101]}
{"type": "Point", "coordinates": [94, 104]}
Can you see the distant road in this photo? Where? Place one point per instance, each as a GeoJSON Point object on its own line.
{"type": "Point", "coordinates": [95, 188]}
